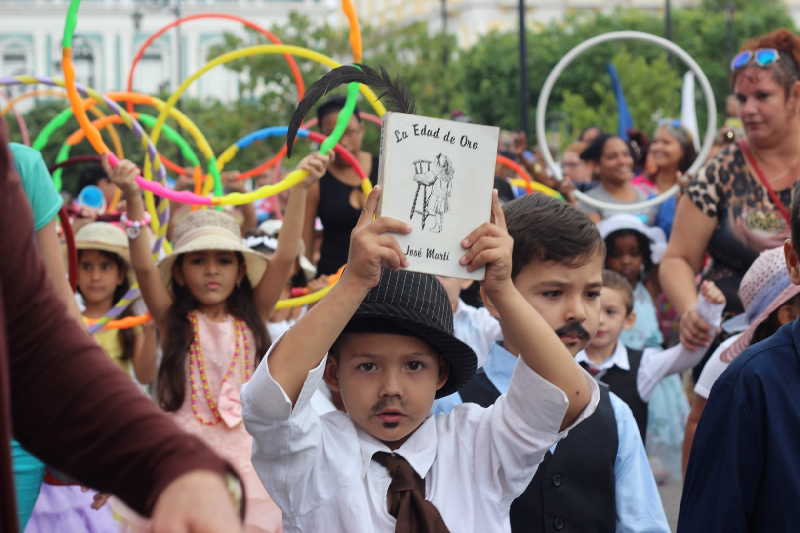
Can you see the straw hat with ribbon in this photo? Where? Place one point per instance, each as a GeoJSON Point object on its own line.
{"type": "Point", "coordinates": [764, 288]}
{"type": "Point", "coordinates": [208, 229]}
{"type": "Point", "coordinates": [106, 237]}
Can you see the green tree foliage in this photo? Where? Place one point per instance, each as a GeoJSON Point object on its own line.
{"type": "Point", "coordinates": [483, 80]}
{"type": "Point", "coordinates": [652, 90]}
{"type": "Point", "coordinates": [709, 34]}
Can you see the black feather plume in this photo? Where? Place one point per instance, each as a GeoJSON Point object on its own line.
{"type": "Point", "coordinates": [396, 95]}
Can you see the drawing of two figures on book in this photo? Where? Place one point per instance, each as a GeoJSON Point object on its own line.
{"type": "Point", "coordinates": [434, 186]}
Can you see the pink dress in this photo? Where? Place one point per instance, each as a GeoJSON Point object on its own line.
{"type": "Point", "coordinates": [228, 437]}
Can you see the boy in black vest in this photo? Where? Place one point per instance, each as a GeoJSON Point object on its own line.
{"type": "Point", "coordinates": [597, 479]}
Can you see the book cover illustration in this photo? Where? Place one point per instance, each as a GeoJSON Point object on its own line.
{"type": "Point", "coordinates": [437, 175]}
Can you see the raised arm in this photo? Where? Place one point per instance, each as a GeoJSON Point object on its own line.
{"type": "Point", "coordinates": [282, 262]}
{"type": "Point", "coordinates": [657, 364]}
{"type": "Point", "coordinates": [144, 354]}
{"type": "Point", "coordinates": [682, 261]}
{"type": "Point", "coordinates": [154, 292]}
{"type": "Point", "coordinates": [310, 217]}
{"type": "Point", "coordinates": [306, 343]}
{"type": "Point", "coordinates": [524, 328]}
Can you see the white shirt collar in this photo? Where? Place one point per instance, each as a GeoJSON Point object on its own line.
{"type": "Point", "coordinates": [618, 358]}
{"type": "Point", "coordinates": [418, 450]}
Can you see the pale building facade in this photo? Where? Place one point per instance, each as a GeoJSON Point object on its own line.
{"type": "Point", "coordinates": [110, 32]}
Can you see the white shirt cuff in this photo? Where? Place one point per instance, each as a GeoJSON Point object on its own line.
{"type": "Point", "coordinates": [263, 397]}
{"type": "Point", "coordinates": [542, 405]}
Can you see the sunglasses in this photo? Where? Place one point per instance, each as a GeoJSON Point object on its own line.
{"type": "Point", "coordinates": [670, 122]}
{"type": "Point", "coordinates": [763, 57]}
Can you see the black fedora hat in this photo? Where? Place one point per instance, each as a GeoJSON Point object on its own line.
{"type": "Point", "coordinates": [414, 304]}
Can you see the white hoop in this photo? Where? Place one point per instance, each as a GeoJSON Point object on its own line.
{"type": "Point", "coordinates": [544, 97]}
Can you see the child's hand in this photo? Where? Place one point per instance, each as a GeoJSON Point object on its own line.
{"type": "Point", "coordinates": [315, 164]}
{"type": "Point", "coordinates": [123, 175]}
{"type": "Point", "coordinates": [712, 293]}
{"type": "Point", "coordinates": [372, 246]}
{"type": "Point", "coordinates": [232, 182]}
{"type": "Point", "coordinates": [490, 245]}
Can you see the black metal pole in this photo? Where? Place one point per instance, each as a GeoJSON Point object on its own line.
{"type": "Point", "coordinates": [178, 13]}
{"type": "Point", "coordinates": [730, 12]}
{"type": "Point", "coordinates": [445, 50]}
{"type": "Point", "coordinates": [523, 70]}
{"type": "Point", "coordinates": [668, 19]}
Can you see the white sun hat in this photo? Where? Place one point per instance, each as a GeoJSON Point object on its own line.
{"type": "Point", "coordinates": [625, 221]}
{"type": "Point", "coordinates": [208, 229]}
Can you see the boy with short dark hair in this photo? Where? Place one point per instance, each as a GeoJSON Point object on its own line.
{"type": "Point", "coordinates": [633, 374]}
{"type": "Point", "coordinates": [597, 479]}
{"type": "Point", "coordinates": [392, 350]}
{"type": "Point", "coordinates": [743, 472]}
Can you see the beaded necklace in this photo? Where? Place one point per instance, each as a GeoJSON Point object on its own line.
{"type": "Point", "coordinates": [197, 366]}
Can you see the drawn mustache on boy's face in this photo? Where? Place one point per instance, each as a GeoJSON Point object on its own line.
{"type": "Point", "coordinates": [573, 329]}
{"type": "Point", "coordinates": [395, 401]}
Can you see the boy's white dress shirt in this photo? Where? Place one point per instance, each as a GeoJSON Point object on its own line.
{"type": "Point", "coordinates": [477, 328]}
{"type": "Point", "coordinates": [475, 461]}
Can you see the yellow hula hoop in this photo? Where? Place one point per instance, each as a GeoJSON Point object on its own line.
{"type": "Point", "coordinates": [294, 177]}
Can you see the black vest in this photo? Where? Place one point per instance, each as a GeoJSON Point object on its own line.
{"type": "Point", "coordinates": [623, 384]}
{"type": "Point", "coordinates": [573, 489]}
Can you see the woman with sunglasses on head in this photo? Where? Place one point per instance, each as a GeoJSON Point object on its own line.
{"type": "Point", "coordinates": [736, 206]}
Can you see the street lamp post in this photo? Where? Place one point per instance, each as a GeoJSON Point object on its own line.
{"type": "Point", "coordinates": [523, 70]}
{"type": "Point", "coordinates": [668, 19]}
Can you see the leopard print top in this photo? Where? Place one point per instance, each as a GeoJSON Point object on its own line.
{"type": "Point", "coordinates": [747, 221]}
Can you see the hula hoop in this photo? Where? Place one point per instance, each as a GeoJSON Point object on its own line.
{"type": "Point", "coordinates": [369, 117]}
{"type": "Point", "coordinates": [526, 181]}
{"type": "Point", "coordinates": [124, 323]}
{"type": "Point", "coordinates": [161, 217]}
{"type": "Point", "coordinates": [289, 181]}
{"type": "Point", "coordinates": [544, 98]}
{"type": "Point", "coordinates": [28, 95]}
{"type": "Point", "coordinates": [276, 131]}
{"type": "Point", "coordinates": [148, 120]}
{"type": "Point", "coordinates": [23, 127]}
{"type": "Point", "coordinates": [115, 140]}
{"type": "Point", "coordinates": [298, 77]}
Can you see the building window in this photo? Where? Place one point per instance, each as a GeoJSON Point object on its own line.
{"type": "Point", "coordinates": [16, 59]}
{"type": "Point", "coordinates": [153, 73]}
{"type": "Point", "coordinates": [85, 59]}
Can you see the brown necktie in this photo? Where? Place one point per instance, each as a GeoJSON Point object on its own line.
{"type": "Point", "coordinates": [406, 498]}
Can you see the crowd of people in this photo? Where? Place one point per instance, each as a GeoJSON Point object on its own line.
{"type": "Point", "coordinates": [606, 353]}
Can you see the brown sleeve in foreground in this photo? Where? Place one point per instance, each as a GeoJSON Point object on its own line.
{"type": "Point", "coordinates": [71, 405]}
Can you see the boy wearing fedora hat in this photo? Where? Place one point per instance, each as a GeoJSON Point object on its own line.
{"type": "Point", "coordinates": [383, 339]}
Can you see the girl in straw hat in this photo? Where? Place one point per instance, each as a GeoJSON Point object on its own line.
{"type": "Point", "coordinates": [210, 299]}
{"type": "Point", "coordinates": [104, 276]}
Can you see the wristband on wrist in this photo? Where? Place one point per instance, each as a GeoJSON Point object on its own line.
{"type": "Point", "coordinates": [134, 227]}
